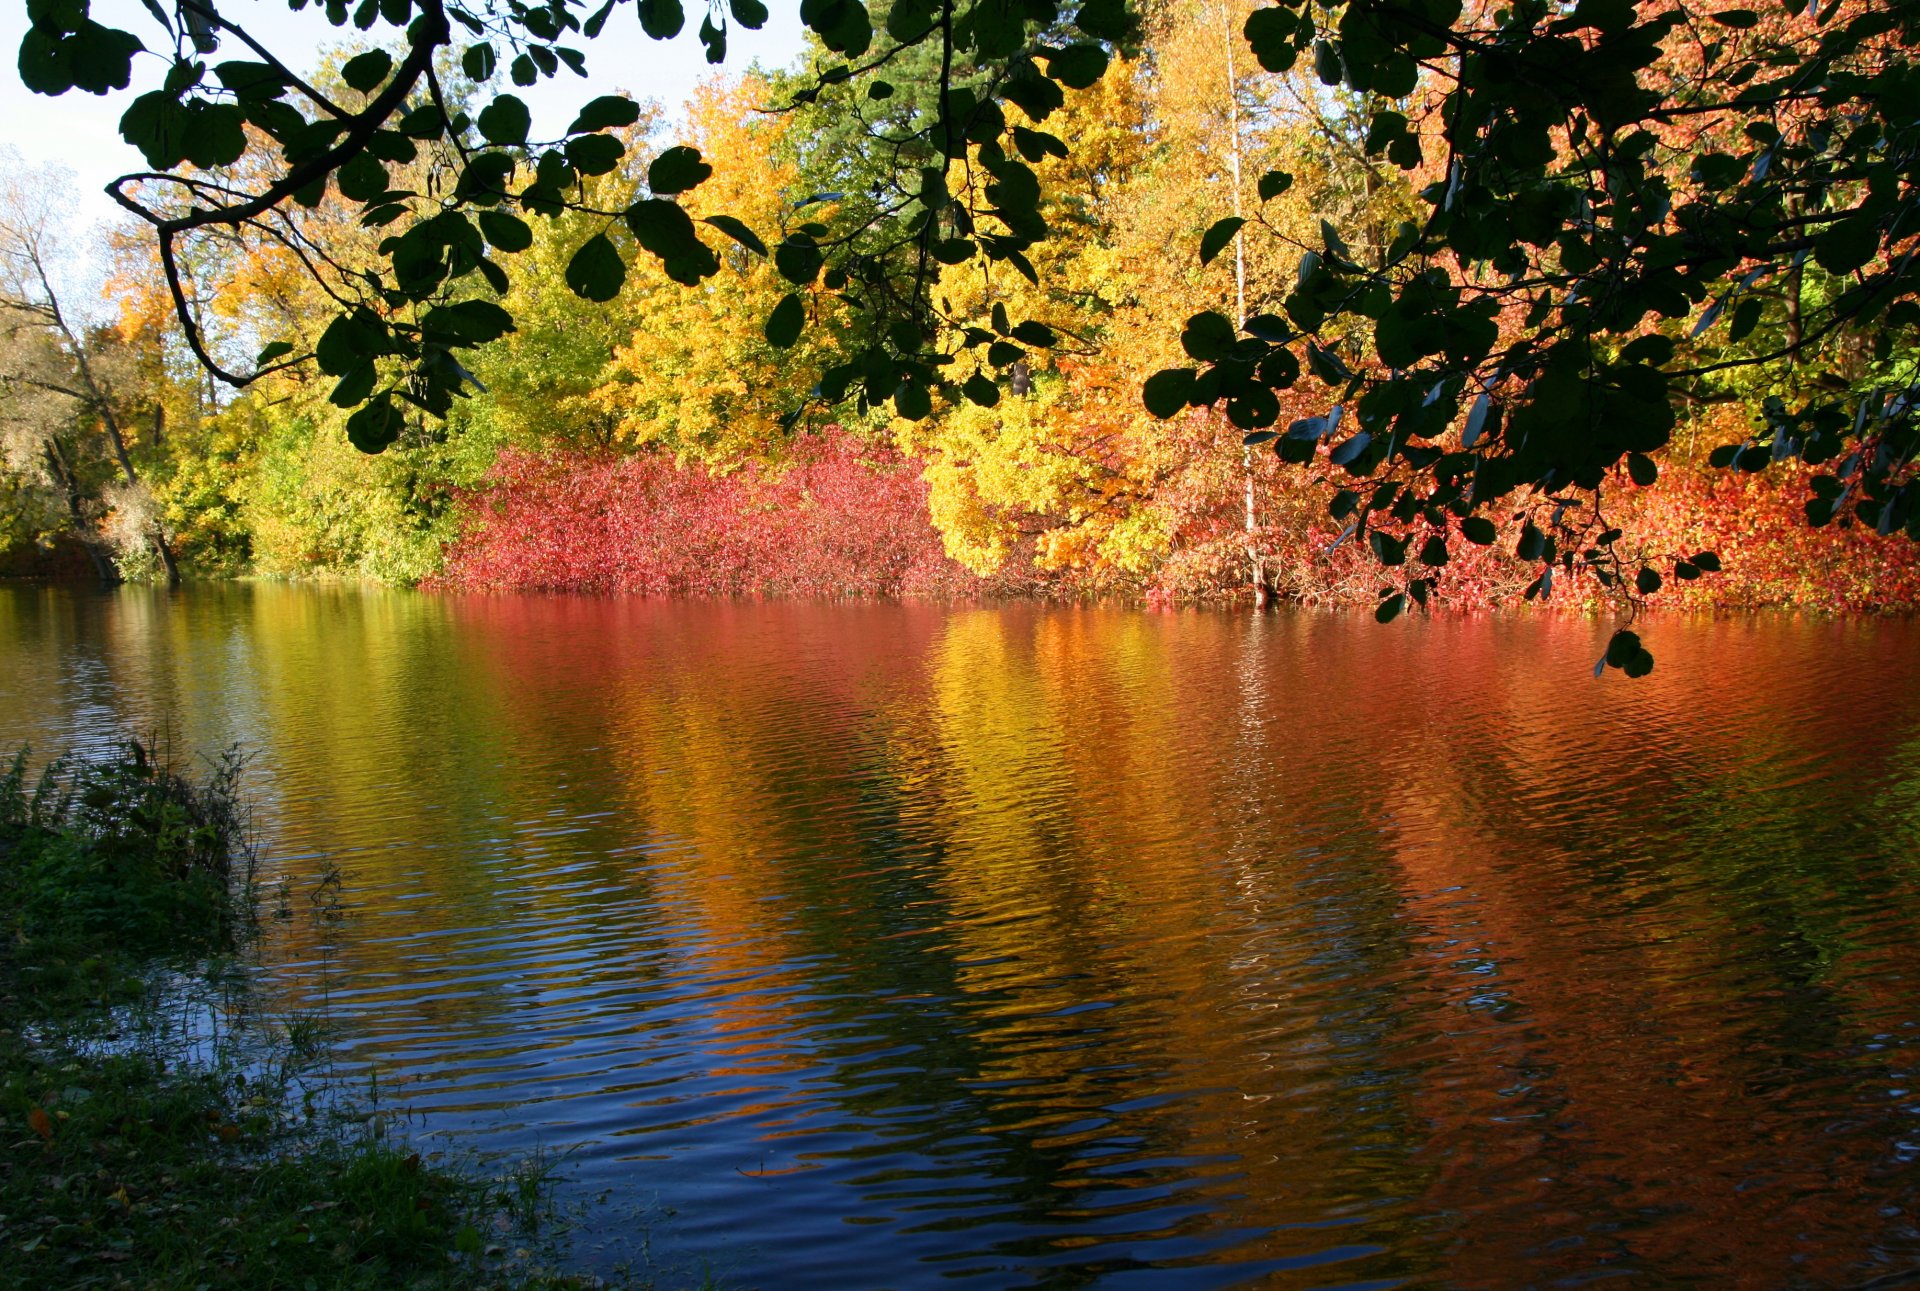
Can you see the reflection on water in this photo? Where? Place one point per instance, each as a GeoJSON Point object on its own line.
{"type": "Point", "coordinates": [893, 946]}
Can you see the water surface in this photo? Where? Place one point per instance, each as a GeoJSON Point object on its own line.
{"type": "Point", "coordinates": [924, 947]}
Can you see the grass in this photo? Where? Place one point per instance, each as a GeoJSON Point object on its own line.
{"type": "Point", "coordinates": [126, 1162]}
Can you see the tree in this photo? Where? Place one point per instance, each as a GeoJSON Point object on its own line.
{"type": "Point", "coordinates": [1618, 209]}
{"type": "Point", "coordinates": [56, 372]}
{"type": "Point", "coordinates": [246, 143]}
{"type": "Point", "coordinates": [1618, 199]}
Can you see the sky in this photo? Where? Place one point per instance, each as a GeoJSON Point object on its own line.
{"type": "Point", "coordinates": [80, 131]}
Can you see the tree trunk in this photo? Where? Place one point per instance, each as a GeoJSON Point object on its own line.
{"type": "Point", "coordinates": [1256, 566]}
{"type": "Point", "coordinates": [97, 395]}
{"type": "Point", "coordinates": [76, 512]}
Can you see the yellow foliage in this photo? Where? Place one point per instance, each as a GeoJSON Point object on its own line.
{"type": "Point", "coordinates": [696, 374]}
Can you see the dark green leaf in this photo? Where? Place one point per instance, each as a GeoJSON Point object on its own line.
{"type": "Point", "coordinates": [1165, 393]}
{"type": "Point", "coordinates": [662, 19]}
{"type": "Point", "coordinates": [1035, 334]}
{"type": "Point", "coordinates": [1270, 31]}
{"type": "Point", "coordinates": [1215, 239]}
{"type": "Point", "coordinates": [478, 62]}
{"type": "Point", "coordinates": [594, 154]}
{"type": "Point", "coordinates": [739, 232]}
{"type": "Point", "coordinates": [1274, 183]}
{"type": "Point", "coordinates": [596, 271]}
{"type": "Point", "coordinates": [1622, 647]}
{"type": "Point", "coordinates": [505, 121]}
{"type": "Point", "coordinates": [365, 71]}
{"type": "Point", "coordinates": [1208, 336]}
{"type": "Point", "coordinates": [609, 111]}
{"type": "Point", "coordinates": [912, 401]}
{"type": "Point", "coordinates": [676, 170]}
{"type": "Point", "coordinates": [788, 317]}
{"type": "Point", "coordinates": [507, 232]}
{"type": "Point", "coordinates": [375, 425]}
{"type": "Point", "coordinates": [1077, 66]}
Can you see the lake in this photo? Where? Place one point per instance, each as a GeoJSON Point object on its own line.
{"type": "Point", "coordinates": [917, 946]}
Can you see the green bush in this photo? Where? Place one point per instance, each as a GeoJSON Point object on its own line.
{"type": "Point", "coordinates": [125, 852]}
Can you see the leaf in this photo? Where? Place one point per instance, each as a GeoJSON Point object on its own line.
{"type": "Point", "coordinates": [1848, 245]}
{"type": "Point", "coordinates": [784, 324]}
{"type": "Point", "coordinates": [347, 342]}
{"type": "Point", "coordinates": [1270, 31]}
{"type": "Point", "coordinates": [271, 351]}
{"type": "Point", "coordinates": [750, 14]}
{"type": "Point", "coordinates": [596, 271]}
{"type": "Point", "coordinates": [1036, 145]}
{"type": "Point", "coordinates": [478, 62]}
{"type": "Point", "coordinates": [738, 231]}
{"type": "Point", "coordinates": [714, 38]}
{"type": "Point", "coordinates": [376, 425]}
{"type": "Point", "coordinates": [1077, 66]}
{"type": "Point", "coordinates": [1348, 450]}
{"type": "Point", "coordinates": [354, 387]}
{"type": "Point", "coordinates": [662, 19]}
{"type": "Point", "coordinates": [1208, 336]}
{"type": "Point", "coordinates": [676, 170]}
{"type": "Point", "coordinates": [1642, 469]}
{"type": "Point", "coordinates": [1479, 530]}
{"type": "Point", "coordinates": [507, 232]}
{"type": "Point", "coordinates": [1215, 240]}
{"type": "Point", "coordinates": [1707, 561]}
{"type": "Point", "coordinates": [1621, 647]}
{"type": "Point", "coordinates": [1390, 608]}
{"type": "Point", "coordinates": [364, 72]}
{"type": "Point", "coordinates": [1038, 335]}
{"type": "Point", "coordinates": [1476, 420]}
{"type": "Point", "coordinates": [1647, 580]}
{"type": "Point", "coordinates": [40, 1122]}
{"type": "Point", "coordinates": [1274, 183]}
{"type": "Point", "coordinates": [912, 401]}
{"type": "Point", "coordinates": [607, 111]}
{"type": "Point", "coordinates": [1165, 393]}
{"type": "Point", "coordinates": [664, 229]}
{"type": "Point", "coordinates": [594, 154]}
{"type": "Point", "coordinates": [505, 121]}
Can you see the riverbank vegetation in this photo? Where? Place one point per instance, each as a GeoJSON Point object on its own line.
{"type": "Point", "coordinates": [128, 1155]}
{"type": "Point", "coordinates": [671, 436]}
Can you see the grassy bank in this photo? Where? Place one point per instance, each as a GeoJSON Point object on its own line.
{"type": "Point", "coordinates": [129, 1157]}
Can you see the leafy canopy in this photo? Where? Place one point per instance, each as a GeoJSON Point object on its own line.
{"type": "Point", "coordinates": [1623, 209]}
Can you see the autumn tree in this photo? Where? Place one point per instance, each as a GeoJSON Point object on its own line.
{"type": "Point", "coordinates": [1620, 198]}
{"type": "Point", "coordinates": [1616, 209]}
{"type": "Point", "coordinates": [60, 373]}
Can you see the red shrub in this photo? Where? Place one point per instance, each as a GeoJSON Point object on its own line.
{"type": "Point", "coordinates": [841, 518]}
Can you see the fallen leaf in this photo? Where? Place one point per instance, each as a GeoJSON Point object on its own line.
{"type": "Point", "coordinates": [41, 1123]}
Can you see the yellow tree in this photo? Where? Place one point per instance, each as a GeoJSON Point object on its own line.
{"type": "Point", "coordinates": [695, 374]}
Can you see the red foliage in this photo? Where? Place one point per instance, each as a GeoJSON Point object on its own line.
{"type": "Point", "coordinates": [840, 518]}
{"type": "Point", "coordinates": [847, 519]}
